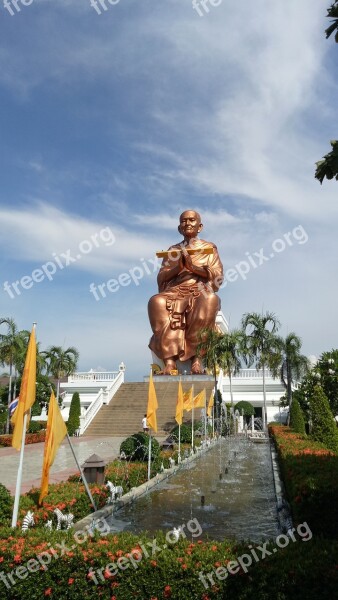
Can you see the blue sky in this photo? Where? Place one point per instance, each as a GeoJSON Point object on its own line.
{"type": "Point", "coordinates": [113, 124]}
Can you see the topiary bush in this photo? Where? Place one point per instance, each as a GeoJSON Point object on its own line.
{"type": "Point", "coordinates": [297, 422]}
{"type": "Point", "coordinates": [73, 422]}
{"type": "Point", "coordinates": [136, 447]}
{"type": "Point", "coordinates": [323, 425]}
{"type": "Point", "coordinates": [248, 409]}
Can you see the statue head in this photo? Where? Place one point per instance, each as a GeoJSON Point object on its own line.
{"type": "Point", "coordinates": [190, 224]}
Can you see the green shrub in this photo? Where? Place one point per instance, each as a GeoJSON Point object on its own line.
{"type": "Point", "coordinates": [6, 504]}
{"type": "Point", "coordinates": [297, 422]}
{"type": "Point", "coordinates": [34, 427]}
{"type": "Point", "coordinates": [186, 431]}
{"type": "Point", "coordinates": [248, 409]}
{"type": "Point", "coordinates": [323, 425]}
{"type": "Point", "coordinates": [136, 447]}
{"type": "Point", "coordinates": [73, 422]}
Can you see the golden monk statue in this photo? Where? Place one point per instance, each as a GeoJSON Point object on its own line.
{"type": "Point", "coordinates": [190, 274]}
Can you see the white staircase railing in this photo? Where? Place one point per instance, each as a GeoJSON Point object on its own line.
{"type": "Point", "coordinates": [103, 397]}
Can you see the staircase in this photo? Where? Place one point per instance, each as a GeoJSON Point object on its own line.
{"type": "Point", "coordinates": [123, 416]}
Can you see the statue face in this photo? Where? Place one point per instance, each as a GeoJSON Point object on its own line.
{"type": "Point", "coordinates": [190, 224]}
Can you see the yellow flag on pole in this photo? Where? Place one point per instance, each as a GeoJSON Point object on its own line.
{"type": "Point", "coordinates": [199, 400]}
{"type": "Point", "coordinates": [179, 405]}
{"type": "Point", "coordinates": [152, 405]}
{"type": "Point", "coordinates": [210, 404]}
{"type": "Point", "coordinates": [187, 399]}
{"type": "Point", "coordinates": [56, 431]}
{"type": "Point", "coordinates": [27, 393]}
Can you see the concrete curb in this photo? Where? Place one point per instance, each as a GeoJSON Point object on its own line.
{"type": "Point", "coordinates": [283, 508]}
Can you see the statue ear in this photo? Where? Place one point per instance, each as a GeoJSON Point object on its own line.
{"type": "Point", "coordinates": [200, 227]}
{"type": "Point", "coordinates": [179, 230]}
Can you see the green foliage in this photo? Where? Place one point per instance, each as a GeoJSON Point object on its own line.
{"type": "Point", "coordinates": [74, 414]}
{"type": "Point", "coordinates": [323, 425]}
{"type": "Point", "coordinates": [297, 422]}
{"type": "Point", "coordinates": [136, 447]}
{"type": "Point", "coordinates": [332, 13]}
{"type": "Point", "coordinates": [186, 431]}
{"type": "Point", "coordinates": [34, 427]}
{"type": "Point", "coordinates": [328, 165]}
{"type": "Point", "coordinates": [304, 568]}
{"type": "Point", "coordinates": [310, 475]}
{"type": "Point", "coordinates": [325, 372]}
{"type": "Point", "coordinates": [6, 504]}
{"type": "Point", "coordinates": [248, 409]}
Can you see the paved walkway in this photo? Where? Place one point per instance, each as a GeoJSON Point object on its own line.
{"type": "Point", "coordinates": [64, 465]}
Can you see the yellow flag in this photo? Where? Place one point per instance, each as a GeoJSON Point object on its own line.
{"type": "Point", "coordinates": [152, 405]}
{"type": "Point", "coordinates": [27, 393]}
{"type": "Point", "coordinates": [179, 405]}
{"type": "Point", "coordinates": [210, 404]}
{"type": "Point", "coordinates": [199, 400]}
{"type": "Point", "coordinates": [56, 431]}
{"type": "Point", "coordinates": [187, 400]}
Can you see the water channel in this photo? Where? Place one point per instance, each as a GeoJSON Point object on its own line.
{"type": "Point", "coordinates": [240, 505]}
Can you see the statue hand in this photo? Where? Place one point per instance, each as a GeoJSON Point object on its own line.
{"type": "Point", "coordinates": [186, 260]}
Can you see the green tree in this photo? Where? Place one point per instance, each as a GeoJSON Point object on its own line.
{"type": "Point", "coordinates": [73, 422]}
{"type": "Point", "coordinates": [208, 348]}
{"type": "Point", "coordinates": [261, 345]}
{"type": "Point", "coordinates": [324, 372]}
{"type": "Point", "coordinates": [230, 350]}
{"type": "Point", "coordinates": [294, 364]}
{"type": "Point", "coordinates": [328, 166]}
{"type": "Point", "coordinates": [11, 345]}
{"type": "Point", "coordinates": [61, 363]}
{"type": "Point", "coordinates": [296, 417]}
{"type": "Point", "coordinates": [323, 425]}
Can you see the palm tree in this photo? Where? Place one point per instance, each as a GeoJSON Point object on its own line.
{"type": "Point", "coordinates": [61, 362]}
{"type": "Point", "coordinates": [209, 349]}
{"type": "Point", "coordinates": [294, 364]}
{"type": "Point", "coordinates": [10, 346]}
{"type": "Point", "coordinates": [261, 344]}
{"type": "Point", "coordinates": [230, 349]}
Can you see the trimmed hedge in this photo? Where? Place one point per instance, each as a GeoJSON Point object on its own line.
{"type": "Point", "coordinates": [31, 438]}
{"type": "Point", "coordinates": [310, 475]}
{"type": "Point", "coordinates": [297, 422]}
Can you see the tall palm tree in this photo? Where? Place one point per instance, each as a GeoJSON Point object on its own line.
{"type": "Point", "coordinates": [10, 346]}
{"type": "Point", "coordinates": [61, 362]}
{"type": "Point", "coordinates": [209, 349]}
{"type": "Point", "coordinates": [230, 349]}
{"type": "Point", "coordinates": [261, 344]}
{"type": "Point", "coordinates": [294, 364]}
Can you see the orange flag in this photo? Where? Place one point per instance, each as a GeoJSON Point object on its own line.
{"type": "Point", "coordinates": [210, 404]}
{"type": "Point", "coordinates": [179, 405]}
{"type": "Point", "coordinates": [187, 399]}
{"type": "Point", "coordinates": [152, 405]}
{"type": "Point", "coordinates": [56, 431]}
{"type": "Point", "coordinates": [27, 393]}
{"type": "Point", "coordinates": [199, 400]}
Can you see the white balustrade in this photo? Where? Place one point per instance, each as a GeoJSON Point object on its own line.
{"type": "Point", "coordinates": [103, 397]}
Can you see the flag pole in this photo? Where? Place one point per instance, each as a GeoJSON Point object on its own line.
{"type": "Point", "coordinates": [82, 474]}
{"type": "Point", "coordinates": [19, 475]}
{"type": "Point", "coordinates": [205, 418]}
{"type": "Point", "coordinates": [149, 455]}
{"type": "Point", "coordinates": [192, 417]}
